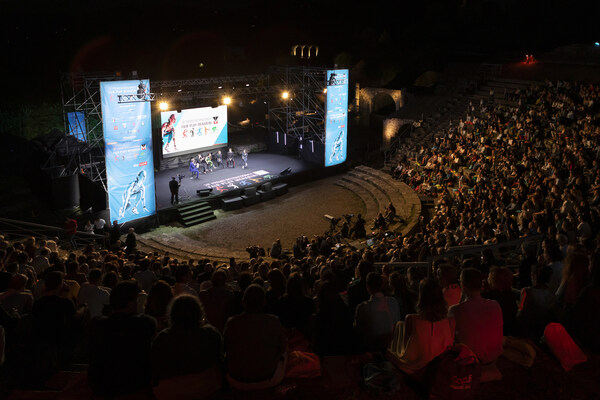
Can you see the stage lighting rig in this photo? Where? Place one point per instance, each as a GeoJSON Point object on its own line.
{"type": "Point", "coordinates": [163, 106]}
{"type": "Point", "coordinates": [227, 100]}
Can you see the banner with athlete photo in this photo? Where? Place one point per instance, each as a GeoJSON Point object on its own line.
{"type": "Point", "coordinates": [128, 150]}
{"type": "Point", "coordinates": [336, 117]}
{"type": "Point", "coordinates": [193, 130]}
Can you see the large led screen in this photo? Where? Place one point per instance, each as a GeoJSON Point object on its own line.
{"type": "Point", "coordinates": [76, 121]}
{"type": "Point", "coordinates": [128, 151]}
{"type": "Point", "coordinates": [336, 123]}
{"type": "Point", "coordinates": [193, 130]}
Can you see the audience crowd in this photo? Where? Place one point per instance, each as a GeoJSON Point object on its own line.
{"type": "Point", "coordinates": [146, 321]}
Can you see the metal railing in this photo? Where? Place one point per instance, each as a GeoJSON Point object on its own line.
{"type": "Point", "coordinates": [462, 251]}
{"type": "Point", "coordinates": [20, 229]}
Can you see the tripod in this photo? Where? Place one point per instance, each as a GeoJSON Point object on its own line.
{"type": "Point", "coordinates": [185, 195]}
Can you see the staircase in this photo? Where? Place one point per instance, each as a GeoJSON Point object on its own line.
{"type": "Point", "coordinates": [195, 213]}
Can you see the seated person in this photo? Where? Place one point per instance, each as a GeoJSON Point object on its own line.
{"type": "Point", "coordinates": [390, 213]}
{"type": "Point", "coordinates": [194, 169]}
{"type": "Point", "coordinates": [188, 346]}
{"type": "Point", "coordinates": [255, 344]}
{"type": "Point", "coordinates": [376, 318]}
{"type": "Point", "coordinates": [478, 320]}
{"type": "Point", "coordinates": [425, 335]}
{"type": "Point", "coordinates": [120, 345]}
{"type": "Point", "coordinates": [17, 297]}
{"type": "Point", "coordinates": [536, 303]}
{"type": "Point", "coordinates": [379, 222]}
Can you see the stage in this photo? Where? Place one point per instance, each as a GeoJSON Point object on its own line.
{"type": "Point", "coordinates": [262, 167]}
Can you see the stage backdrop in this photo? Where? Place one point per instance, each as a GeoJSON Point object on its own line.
{"type": "Point", "coordinates": [336, 122]}
{"type": "Point", "coordinates": [193, 130]}
{"type": "Point", "coordinates": [128, 151]}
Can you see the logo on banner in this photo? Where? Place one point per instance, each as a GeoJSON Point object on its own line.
{"type": "Point", "coordinates": [216, 119]}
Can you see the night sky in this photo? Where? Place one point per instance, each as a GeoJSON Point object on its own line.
{"type": "Point", "coordinates": [170, 39]}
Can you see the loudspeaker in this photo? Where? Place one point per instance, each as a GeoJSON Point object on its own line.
{"type": "Point", "coordinates": [204, 192]}
{"type": "Point", "coordinates": [286, 171]}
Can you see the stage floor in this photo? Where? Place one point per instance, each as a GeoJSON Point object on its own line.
{"type": "Point", "coordinates": [262, 167]}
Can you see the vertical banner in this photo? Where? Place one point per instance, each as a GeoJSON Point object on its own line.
{"type": "Point", "coordinates": [128, 150]}
{"type": "Point", "coordinates": [336, 114]}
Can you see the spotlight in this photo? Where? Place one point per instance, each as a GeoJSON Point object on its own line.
{"type": "Point", "coordinates": [227, 100]}
{"type": "Point", "coordinates": [325, 90]}
{"type": "Point", "coordinates": [285, 95]}
{"type": "Point", "coordinates": [163, 106]}
{"type": "Point", "coordinates": [597, 44]}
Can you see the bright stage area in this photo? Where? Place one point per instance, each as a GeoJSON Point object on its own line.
{"type": "Point", "coordinates": [262, 167]}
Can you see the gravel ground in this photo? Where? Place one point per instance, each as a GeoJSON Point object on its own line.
{"type": "Point", "coordinates": [299, 212]}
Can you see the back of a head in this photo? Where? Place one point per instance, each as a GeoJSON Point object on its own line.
{"type": "Point", "coordinates": [159, 296]}
{"type": "Point", "coordinates": [295, 285]}
{"type": "Point", "coordinates": [374, 282]}
{"type": "Point", "coordinates": [183, 274]}
{"type": "Point", "coordinates": [254, 298]}
{"type": "Point", "coordinates": [446, 274]}
{"type": "Point", "coordinates": [244, 279]}
{"type": "Point", "coordinates": [72, 267]}
{"type": "Point", "coordinates": [95, 275]}
{"type": "Point", "coordinates": [471, 279]}
{"type": "Point", "coordinates": [543, 274]}
{"type": "Point", "coordinates": [554, 252]}
{"type": "Point", "coordinates": [431, 304]}
{"type": "Point", "coordinates": [219, 278]}
{"type": "Point", "coordinates": [53, 280]}
{"type": "Point", "coordinates": [123, 294]}
{"type": "Point", "coordinates": [17, 282]}
{"type": "Point", "coordinates": [500, 278]}
{"type": "Point", "coordinates": [186, 312]}
{"type": "Point", "coordinates": [277, 281]}
{"type": "Point", "coordinates": [364, 267]}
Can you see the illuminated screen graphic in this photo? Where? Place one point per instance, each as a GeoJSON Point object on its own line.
{"type": "Point", "coordinates": [128, 151]}
{"type": "Point", "coordinates": [76, 122]}
{"type": "Point", "coordinates": [336, 112]}
{"type": "Point", "coordinates": [193, 130]}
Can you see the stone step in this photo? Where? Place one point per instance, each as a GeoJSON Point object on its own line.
{"type": "Point", "coordinates": [366, 197]}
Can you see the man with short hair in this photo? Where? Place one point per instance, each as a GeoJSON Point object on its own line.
{"type": "Point", "coordinates": [120, 345]}
{"type": "Point", "coordinates": [376, 318]}
{"type": "Point", "coordinates": [53, 338]}
{"type": "Point", "coordinates": [478, 320]}
{"type": "Point", "coordinates": [41, 262]}
{"type": "Point", "coordinates": [255, 344]}
{"type": "Point", "coordinates": [218, 301]}
{"type": "Point", "coordinates": [94, 295]}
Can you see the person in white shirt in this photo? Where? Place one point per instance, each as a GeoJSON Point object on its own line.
{"type": "Point", "coordinates": [41, 262]}
{"type": "Point", "coordinates": [94, 295]}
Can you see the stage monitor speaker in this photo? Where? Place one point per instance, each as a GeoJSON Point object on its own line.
{"type": "Point", "coordinates": [286, 171]}
{"type": "Point", "coordinates": [204, 192]}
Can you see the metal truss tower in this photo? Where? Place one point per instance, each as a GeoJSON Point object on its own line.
{"type": "Point", "coordinates": [301, 111]}
{"type": "Point", "coordinates": [81, 93]}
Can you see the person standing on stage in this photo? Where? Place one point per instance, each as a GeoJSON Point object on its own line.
{"type": "Point", "coordinates": [230, 159]}
{"type": "Point", "coordinates": [174, 188]}
{"type": "Point", "coordinates": [219, 159]}
{"type": "Point", "coordinates": [245, 159]}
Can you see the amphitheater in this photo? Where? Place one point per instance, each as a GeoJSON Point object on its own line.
{"type": "Point", "coordinates": [361, 190]}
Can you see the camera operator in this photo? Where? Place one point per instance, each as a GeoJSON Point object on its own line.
{"type": "Point", "coordinates": [358, 230]}
{"type": "Point", "coordinates": [174, 188]}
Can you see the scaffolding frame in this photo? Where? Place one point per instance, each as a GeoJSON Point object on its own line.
{"type": "Point", "coordinates": [302, 113]}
